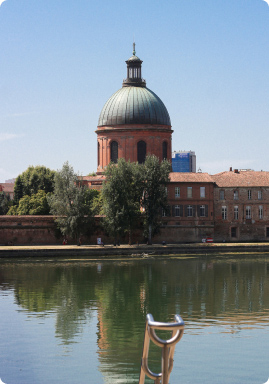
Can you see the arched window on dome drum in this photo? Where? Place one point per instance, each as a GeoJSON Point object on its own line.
{"type": "Point", "coordinates": [114, 152]}
{"type": "Point", "coordinates": [164, 150]}
{"type": "Point", "coordinates": [141, 151]}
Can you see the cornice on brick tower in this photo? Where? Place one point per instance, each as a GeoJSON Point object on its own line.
{"type": "Point", "coordinates": [134, 122]}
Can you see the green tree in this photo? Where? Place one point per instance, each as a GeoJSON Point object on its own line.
{"type": "Point", "coordinates": [39, 203]}
{"type": "Point", "coordinates": [97, 203]}
{"type": "Point", "coordinates": [23, 207]}
{"type": "Point", "coordinates": [36, 204]}
{"type": "Point", "coordinates": [33, 180]}
{"type": "Point", "coordinates": [12, 210]}
{"type": "Point", "coordinates": [154, 197]}
{"type": "Point", "coordinates": [5, 203]}
{"type": "Point", "coordinates": [121, 194]}
{"type": "Point", "coordinates": [71, 203]}
{"type": "Point", "coordinates": [18, 190]}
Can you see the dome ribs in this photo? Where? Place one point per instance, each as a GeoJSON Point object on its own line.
{"type": "Point", "coordinates": [134, 105]}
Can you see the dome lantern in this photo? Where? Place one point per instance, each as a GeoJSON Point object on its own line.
{"type": "Point", "coordinates": [134, 72]}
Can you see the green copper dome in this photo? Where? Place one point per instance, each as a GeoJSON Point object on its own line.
{"type": "Point", "coordinates": [134, 105]}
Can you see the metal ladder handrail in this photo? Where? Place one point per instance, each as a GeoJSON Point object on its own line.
{"type": "Point", "coordinates": [168, 347]}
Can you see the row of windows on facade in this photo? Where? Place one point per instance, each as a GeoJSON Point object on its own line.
{"type": "Point", "coordinates": [236, 195]}
{"type": "Point", "coordinates": [189, 192]}
{"type": "Point", "coordinates": [188, 211]}
{"type": "Point", "coordinates": [248, 213]}
{"type": "Point", "coordinates": [141, 151]}
{"type": "Point", "coordinates": [234, 232]}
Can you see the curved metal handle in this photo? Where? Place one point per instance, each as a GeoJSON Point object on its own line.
{"type": "Point", "coordinates": [166, 326]}
{"type": "Point", "coordinates": [177, 327]}
{"type": "Point", "coordinates": [168, 347]}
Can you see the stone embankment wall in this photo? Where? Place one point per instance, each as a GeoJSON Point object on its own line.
{"type": "Point", "coordinates": [31, 230]}
{"type": "Point", "coordinates": [28, 230]}
{"type": "Point", "coordinates": [39, 230]}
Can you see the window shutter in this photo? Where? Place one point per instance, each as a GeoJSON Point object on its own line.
{"type": "Point", "coordinates": [198, 210]}
{"type": "Point", "coordinates": [206, 211]}
{"type": "Point", "coordinates": [181, 210]}
{"type": "Point", "coordinates": [173, 210]}
{"type": "Point", "coordinates": [194, 210]}
{"type": "Point", "coordinates": [186, 210]}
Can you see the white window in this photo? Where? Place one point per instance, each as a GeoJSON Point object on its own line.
{"type": "Point", "coordinates": [224, 212]}
{"type": "Point", "coordinates": [221, 195]}
{"type": "Point", "coordinates": [236, 195]}
{"type": "Point", "coordinates": [177, 210]}
{"type": "Point", "coordinates": [249, 194]}
{"type": "Point", "coordinates": [202, 210]}
{"type": "Point", "coordinates": [177, 192]}
{"type": "Point", "coordinates": [189, 211]}
{"type": "Point", "coordinates": [248, 212]}
{"type": "Point", "coordinates": [202, 191]}
{"type": "Point", "coordinates": [260, 211]}
{"type": "Point", "coordinates": [189, 191]}
{"type": "Point", "coordinates": [163, 213]}
{"type": "Point", "coordinates": [259, 195]}
{"type": "Point", "coordinates": [236, 212]}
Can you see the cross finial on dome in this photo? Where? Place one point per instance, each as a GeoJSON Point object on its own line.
{"type": "Point", "coordinates": [134, 48]}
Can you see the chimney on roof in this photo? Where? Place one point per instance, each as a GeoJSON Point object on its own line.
{"type": "Point", "coordinates": [231, 169]}
{"type": "Point", "coordinates": [236, 171]}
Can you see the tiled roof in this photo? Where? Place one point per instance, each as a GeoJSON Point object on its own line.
{"type": "Point", "coordinates": [242, 179]}
{"type": "Point", "coordinates": [94, 178]}
{"type": "Point", "coordinates": [190, 177]}
{"type": "Point", "coordinates": [7, 187]}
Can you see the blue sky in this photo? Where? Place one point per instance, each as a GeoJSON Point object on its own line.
{"type": "Point", "coordinates": [61, 60]}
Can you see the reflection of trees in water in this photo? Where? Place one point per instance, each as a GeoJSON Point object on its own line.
{"type": "Point", "coordinates": [42, 289]}
{"type": "Point", "coordinates": [233, 293]}
{"type": "Point", "coordinates": [202, 291]}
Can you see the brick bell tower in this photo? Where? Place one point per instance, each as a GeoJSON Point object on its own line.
{"type": "Point", "coordinates": [133, 123]}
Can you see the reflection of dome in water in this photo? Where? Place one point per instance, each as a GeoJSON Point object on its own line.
{"type": "Point", "coordinates": [134, 105]}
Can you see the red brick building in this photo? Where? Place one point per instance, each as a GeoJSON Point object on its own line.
{"type": "Point", "coordinates": [190, 197]}
{"type": "Point", "coordinates": [133, 123]}
{"type": "Point", "coordinates": [241, 206]}
{"type": "Point", "coordinates": [8, 189]}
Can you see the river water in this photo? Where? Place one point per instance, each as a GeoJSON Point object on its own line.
{"type": "Point", "coordinates": [83, 322]}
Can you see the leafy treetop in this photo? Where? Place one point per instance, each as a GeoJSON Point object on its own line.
{"type": "Point", "coordinates": [33, 180]}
